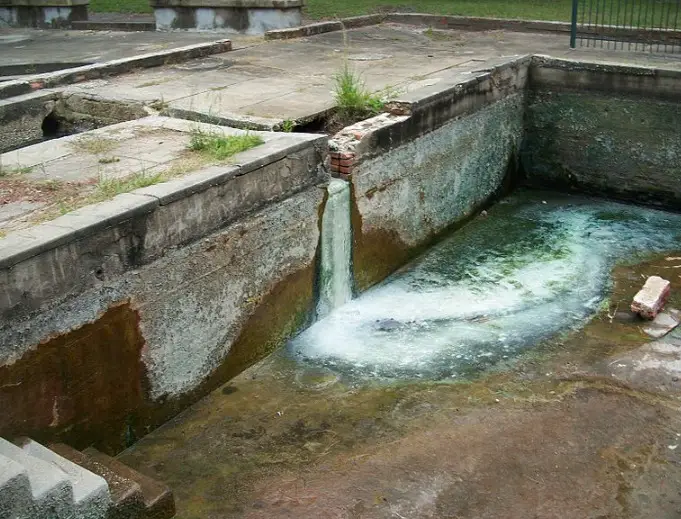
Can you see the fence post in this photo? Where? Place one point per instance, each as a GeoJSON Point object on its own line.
{"type": "Point", "coordinates": [573, 29]}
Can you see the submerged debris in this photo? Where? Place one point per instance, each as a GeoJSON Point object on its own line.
{"type": "Point", "coordinates": [651, 298]}
{"type": "Point", "coordinates": [663, 323]}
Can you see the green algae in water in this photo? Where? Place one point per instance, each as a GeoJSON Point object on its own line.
{"type": "Point", "coordinates": [533, 268]}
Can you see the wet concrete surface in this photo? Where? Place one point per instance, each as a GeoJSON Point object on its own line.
{"type": "Point", "coordinates": [555, 433]}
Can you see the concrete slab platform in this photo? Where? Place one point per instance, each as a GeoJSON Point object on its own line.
{"type": "Point", "coordinates": [293, 79]}
{"type": "Point", "coordinates": [31, 46]}
{"type": "Point", "coordinates": [43, 181]}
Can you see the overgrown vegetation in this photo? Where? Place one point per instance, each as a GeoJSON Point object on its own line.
{"type": "Point", "coordinates": [218, 146]}
{"type": "Point", "coordinates": [353, 100]}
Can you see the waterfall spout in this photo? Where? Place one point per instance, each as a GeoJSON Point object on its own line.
{"type": "Point", "coordinates": [335, 277]}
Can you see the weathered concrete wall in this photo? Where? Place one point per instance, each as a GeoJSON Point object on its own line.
{"type": "Point", "coordinates": [23, 118]}
{"type": "Point", "coordinates": [119, 315]}
{"type": "Point", "coordinates": [607, 130]}
{"type": "Point", "coordinates": [242, 16]}
{"type": "Point", "coordinates": [415, 176]}
{"type": "Point", "coordinates": [42, 13]}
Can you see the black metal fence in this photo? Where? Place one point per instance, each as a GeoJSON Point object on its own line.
{"type": "Point", "coordinates": [644, 25]}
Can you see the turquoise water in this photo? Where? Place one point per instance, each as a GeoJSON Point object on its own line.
{"type": "Point", "coordinates": [536, 266]}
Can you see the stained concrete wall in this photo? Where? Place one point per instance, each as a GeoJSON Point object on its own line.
{"type": "Point", "coordinates": [43, 13]}
{"type": "Point", "coordinates": [117, 316]}
{"type": "Point", "coordinates": [415, 176]}
{"type": "Point", "coordinates": [608, 130]}
{"type": "Point", "coordinates": [249, 17]}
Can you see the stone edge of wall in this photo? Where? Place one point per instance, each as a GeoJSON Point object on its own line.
{"type": "Point", "coordinates": [422, 111]}
{"type": "Point", "coordinates": [110, 68]}
{"type": "Point", "coordinates": [568, 75]}
{"type": "Point", "coordinates": [468, 23]}
{"type": "Point", "coordinates": [89, 220]}
{"type": "Point", "coordinates": [303, 31]}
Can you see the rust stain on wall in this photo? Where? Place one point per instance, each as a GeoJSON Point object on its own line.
{"type": "Point", "coordinates": [282, 312]}
{"type": "Point", "coordinates": [278, 316]}
{"type": "Point", "coordinates": [77, 386]}
{"type": "Point", "coordinates": [375, 254]}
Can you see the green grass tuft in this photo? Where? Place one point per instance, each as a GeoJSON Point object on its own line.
{"type": "Point", "coordinates": [110, 187]}
{"type": "Point", "coordinates": [288, 126]}
{"type": "Point", "coordinates": [218, 146]}
{"type": "Point", "coordinates": [352, 98]}
{"type": "Point", "coordinates": [6, 172]}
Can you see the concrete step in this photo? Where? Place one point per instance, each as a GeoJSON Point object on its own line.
{"type": "Point", "coordinates": [51, 492]}
{"type": "Point", "coordinates": [158, 498]}
{"type": "Point", "coordinates": [90, 491]}
{"type": "Point", "coordinates": [15, 489]}
{"type": "Point", "coordinates": [127, 501]}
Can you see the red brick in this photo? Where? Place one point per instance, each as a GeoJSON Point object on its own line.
{"type": "Point", "coordinates": [651, 298]}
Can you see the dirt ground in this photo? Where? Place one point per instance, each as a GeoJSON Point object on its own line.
{"type": "Point", "coordinates": [562, 432]}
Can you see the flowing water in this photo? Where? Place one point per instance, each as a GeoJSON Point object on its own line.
{"type": "Point", "coordinates": [536, 266]}
{"type": "Point", "coordinates": [335, 281]}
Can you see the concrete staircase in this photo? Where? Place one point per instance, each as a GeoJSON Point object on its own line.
{"type": "Point", "coordinates": [60, 482]}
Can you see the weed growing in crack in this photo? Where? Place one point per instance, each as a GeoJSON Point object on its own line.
{"type": "Point", "coordinates": [6, 172]}
{"type": "Point", "coordinates": [353, 100]}
{"type": "Point", "coordinates": [14, 170]}
{"type": "Point", "coordinates": [287, 125]}
{"type": "Point", "coordinates": [108, 160]}
{"type": "Point", "coordinates": [218, 146]}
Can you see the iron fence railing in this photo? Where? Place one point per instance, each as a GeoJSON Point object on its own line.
{"type": "Point", "coordinates": [648, 25]}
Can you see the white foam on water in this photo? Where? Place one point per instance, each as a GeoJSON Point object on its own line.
{"type": "Point", "coordinates": [500, 285]}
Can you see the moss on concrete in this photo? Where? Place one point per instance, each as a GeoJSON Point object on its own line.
{"type": "Point", "coordinates": [624, 147]}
